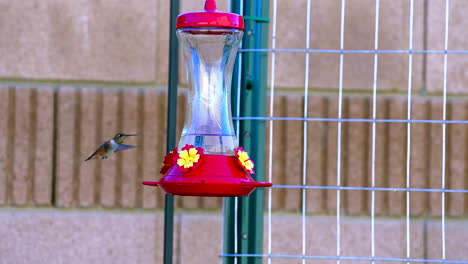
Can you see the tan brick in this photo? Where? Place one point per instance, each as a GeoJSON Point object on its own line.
{"type": "Point", "coordinates": [381, 158]}
{"type": "Point", "coordinates": [290, 68]}
{"type": "Point", "coordinates": [293, 157]}
{"type": "Point", "coordinates": [355, 238]}
{"type": "Point", "coordinates": [344, 155]}
{"type": "Point", "coordinates": [109, 168]}
{"type": "Point", "coordinates": [297, 10]}
{"type": "Point", "coordinates": [198, 237]}
{"type": "Point", "coordinates": [324, 70]}
{"type": "Point", "coordinates": [87, 33]}
{"type": "Point", "coordinates": [320, 239]}
{"type": "Point", "coordinates": [284, 230]}
{"type": "Point", "coordinates": [3, 148]}
{"type": "Point", "coordinates": [43, 161]}
{"type": "Point", "coordinates": [5, 156]}
{"type": "Point", "coordinates": [177, 241]}
{"type": "Point", "coordinates": [355, 232]}
{"type": "Point", "coordinates": [435, 72]}
{"type": "Point", "coordinates": [391, 238]}
{"type": "Point", "coordinates": [206, 233]}
{"type": "Point", "coordinates": [455, 240]}
{"type": "Point", "coordinates": [356, 155]}
{"type": "Point", "coordinates": [456, 157]}
{"type": "Point", "coordinates": [278, 170]}
{"type": "Point", "coordinates": [397, 153]}
{"type": "Point", "coordinates": [358, 65]}
{"type": "Point", "coordinates": [188, 202]}
{"type": "Point", "coordinates": [419, 156]}
{"type": "Point", "coordinates": [358, 34]}
{"type": "Point", "coordinates": [104, 40]}
{"type": "Point", "coordinates": [88, 143]}
{"type": "Point", "coordinates": [162, 43]}
{"type": "Point", "coordinates": [211, 203]}
{"type": "Point", "coordinates": [332, 154]}
{"type": "Point", "coordinates": [436, 37]}
{"type": "Point", "coordinates": [317, 155]}
{"type": "Point", "coordinates": [22, 181]}
{"type": "Point", "coordinates": [154, 147]}
{"type": "Point", "coordinates": [161, 133]}
{"type": "Point", "coordinates": [24, 48]}
{"type": "Point", "coordinates": [359, 29]}
{"type": "Point", "coordinates": [193, 6]}
{"type": "Point", "coordinates": [393, 35]}
{"type": "Point", "coordinates": [130, 180]}
{"type": "Point", "coordinates": [435, 172]}
{"type": "Point", "coordinates": [456, 65]}
{"type": "Point", "coordinates": [66, 146]}
{"type": "Point", "coordinates": [55, 236]}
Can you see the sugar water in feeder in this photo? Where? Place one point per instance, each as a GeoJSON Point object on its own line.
{"type": "Point", "coordinates": [208, 160]}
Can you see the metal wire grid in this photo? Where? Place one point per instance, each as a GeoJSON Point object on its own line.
{"type": "Point", "coordinates": [304, 187]}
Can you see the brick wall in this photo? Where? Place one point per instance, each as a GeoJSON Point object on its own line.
{"type": "Point", "coordinates": [110, 236]}
{"type": "Point", "coordinates": [49, 132]}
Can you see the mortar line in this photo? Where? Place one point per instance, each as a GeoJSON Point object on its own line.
{"type": "Point", "coordinates": [53, 198]}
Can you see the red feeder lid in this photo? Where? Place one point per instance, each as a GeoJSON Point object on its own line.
{"type": "Point", "coordinates": [210, 18]}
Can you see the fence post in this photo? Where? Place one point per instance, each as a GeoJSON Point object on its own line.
{"type": "Point", "coordinates": [251, 133]}
{"type": "Point", "coordinates": [171, 128]}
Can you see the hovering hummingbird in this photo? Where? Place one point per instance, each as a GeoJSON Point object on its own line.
{"type": "Point", "coordinates": [110, 146]}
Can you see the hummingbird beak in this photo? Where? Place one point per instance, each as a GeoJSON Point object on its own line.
{"type": "Point", "coordinates": [130, 135]}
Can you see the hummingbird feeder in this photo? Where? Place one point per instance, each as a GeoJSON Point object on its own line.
{"type": "Point", "coordinates": [208, 160]}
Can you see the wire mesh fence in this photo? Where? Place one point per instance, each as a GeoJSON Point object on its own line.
{"type": "Point", "coordinates": [383, 131]}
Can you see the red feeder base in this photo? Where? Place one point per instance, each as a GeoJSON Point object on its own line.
{"type": "Point", "coordinates": [217, 176]}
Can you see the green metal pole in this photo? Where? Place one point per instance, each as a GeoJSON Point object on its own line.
{"type": "Point", "coordinates": [252, 133]}
{"type": "Point", "coordinates": [171, 128]}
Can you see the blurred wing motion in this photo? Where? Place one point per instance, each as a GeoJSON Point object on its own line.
{"type": "Point", "coordinates": [101, 151]}
{"type": "Point", "coordinates": [124, 147]}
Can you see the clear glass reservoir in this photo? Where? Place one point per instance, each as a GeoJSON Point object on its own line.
{"type": "Point", "coordinates": [209, 54]}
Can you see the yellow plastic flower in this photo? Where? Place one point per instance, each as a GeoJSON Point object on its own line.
{"type": "Point", "coordinates": [245, 160]}
{"type": "Point", "coordinates": [188, 157]}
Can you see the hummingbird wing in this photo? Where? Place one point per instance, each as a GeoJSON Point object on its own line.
{"type": "Point", "coordinates": [124, 147]}
{"type": "Point", "coordinates": [101, 150]}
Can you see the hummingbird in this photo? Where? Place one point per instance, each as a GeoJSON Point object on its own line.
{"type": "Point", "coordinates": [110, 146]}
